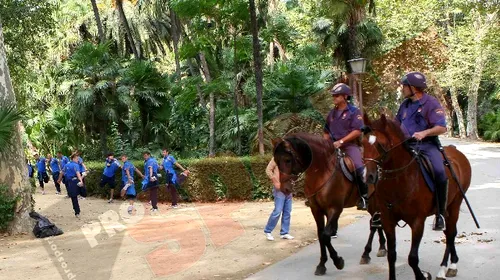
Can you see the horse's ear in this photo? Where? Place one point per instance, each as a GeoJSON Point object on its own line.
{"type": "Point", "coordinates": [366, 120]}
{"type": "Point", "coordinates": [383, 119]}
{"type": "Point", "coordinates": [276, 141]}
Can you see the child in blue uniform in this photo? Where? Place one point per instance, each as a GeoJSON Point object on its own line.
{"type": "Point", "coordinates": [108, 175]}
{"type": "Point", "coordinates": [150, 180]}
{"type": "Point", "coordinates": [128, 183]}
{"type": "Point", "coordinates": [74, 181]}
{"type": "Point", "coordinates": [41, 171]}
{"type": "Point", "coordinates": [171, 177]}
{"type": "Point", "coordinates": [55, 168]}
{"type": "Point", "coordinates": [63, 160]}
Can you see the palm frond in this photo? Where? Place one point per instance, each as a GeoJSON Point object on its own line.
{"type": "Point", "coordinates": [8, 117]}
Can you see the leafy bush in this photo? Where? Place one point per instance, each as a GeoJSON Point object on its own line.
{"type": "Point", "coordinates": [489, 126]}
{"type": "Point", "coordinates": [7, 206]}
{"type": "Point", "coordinates": [211, 179]}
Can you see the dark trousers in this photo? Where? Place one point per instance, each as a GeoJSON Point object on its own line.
{"type": "Point", "coordinates": [55, 176]}
{"type": "Point", "coordinates": [76, 206]}
{"type": "Point", "coordinates": [42, 176]}
{"type": "Point", "coordinates": [153, 196]}
{"type": "Point", "coordinates": [173, 193]}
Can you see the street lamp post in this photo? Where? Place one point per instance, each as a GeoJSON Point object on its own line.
{"type": "Point", "coordinates": [358, 66]}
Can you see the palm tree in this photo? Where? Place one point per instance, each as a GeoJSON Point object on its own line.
{"type": "Point", "coordinates": [258, 73]}
{"type": "Point", "coordinates": [98, 21]}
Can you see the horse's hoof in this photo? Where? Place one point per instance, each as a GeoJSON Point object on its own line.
{"type": "Point", "coordinates": [339, 264]}
{"type": "Point", "coordinates": [427, 275]}
{"type": "Point", "coordinates": [365, 260]}
{"type": "Point", "coordinates": [382, 253]}
{"type": "Point", "coordinates": [451, 272]}
{"type": "Point", "coordinates": [320, 270]}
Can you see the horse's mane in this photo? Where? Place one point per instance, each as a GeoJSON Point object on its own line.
{"type": "Point", "coordinates": [389, 128]}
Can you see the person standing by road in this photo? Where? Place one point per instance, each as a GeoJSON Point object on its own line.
{"type": "Point", "coordinates": [282, 205]}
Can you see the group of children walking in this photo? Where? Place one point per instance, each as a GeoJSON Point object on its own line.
{"type": "Point", "coordinates": [72, 174]}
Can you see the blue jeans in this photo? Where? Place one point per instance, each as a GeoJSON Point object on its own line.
{"type": "Point", "coordinates": [282, 204]}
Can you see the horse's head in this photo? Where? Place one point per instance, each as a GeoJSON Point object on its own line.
{"type": "Point", "coordinates": [293, 156]}
{"type": "Point", "coordinates": [381, 136]}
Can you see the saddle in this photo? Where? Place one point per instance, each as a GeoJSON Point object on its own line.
{"type": "Point", "coordinates": [347, 165]}
{"type": "Point", "coordinates": [426, 168]}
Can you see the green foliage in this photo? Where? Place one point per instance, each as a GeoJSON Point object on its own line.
{"type": "Point", "coordinates": [8, 117]}
{"type": "Point", "coordinates": [7, 206]}
{"type": "Point", "coordinates": [489, 126]}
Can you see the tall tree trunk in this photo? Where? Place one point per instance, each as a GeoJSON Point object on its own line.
{"type": "Point", "coordinates": [13, 170]}
{"type": "Point", "coordinates": [198, 88]}
{"type": "Point", "coordinates": [211, 123]}
{"type": "Point", "coordinates": [458, 112]}
{"type": "Point", "coordinates": [472, 132]}
{"type": "Point", "coordinates": [175, 38]}
{"type": "Point", "coordinates": [482, 50]}
{"type": "Point", "coordinates": [237, 79]}
{"type": "Point", "coordinates": [258, 73]}
{"type": "Point", "coordinates": [123, 18]}
{"type": "Point", "coordinates": [100, 30]}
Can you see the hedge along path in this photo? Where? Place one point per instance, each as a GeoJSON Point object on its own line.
{"type": "Point", "coordinates": [211, 179]}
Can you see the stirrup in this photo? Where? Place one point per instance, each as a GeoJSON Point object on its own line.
{"type": "Point", "coordinates": [434, 224]}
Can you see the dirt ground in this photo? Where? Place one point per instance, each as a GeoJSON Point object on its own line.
{"type": "Point", "coordinates": [195, 241]}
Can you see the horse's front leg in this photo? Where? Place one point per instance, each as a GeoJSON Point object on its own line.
{"type": "Point", "coordinates": [319, 217]}
{"type": "Point", "coordinates": [331, 227]}
{"type": "Point", "coordinates": [417, 231]}
{"type": "Point", "coordinates": [382, 251]}
{"type": "Point", "coordinates": [365, 258]}
{"type": "Point", "coordinates": [390, 232]}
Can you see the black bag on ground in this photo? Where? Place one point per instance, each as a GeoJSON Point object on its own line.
{"type": "Point", "coordinates": [43, 227]}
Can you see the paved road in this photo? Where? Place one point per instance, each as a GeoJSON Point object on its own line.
{"type": "Point", "coordinates": [478, 249]}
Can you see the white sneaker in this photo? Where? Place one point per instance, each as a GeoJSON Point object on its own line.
{"type": "Point", "coordinates": [287, 236]}
{"type": "Point", "coordinates": [175, 206]}
{"type": "Point", "coordinates": [81, 198]}
{"type": "Point", "coordinates": [130, 210]}
{"type": "Point", "coordinates": [77, 216]}
{"type": "Point", "coordinates": [43, 192]}
{"type": "Point", "coordinates": [154, 211]}
{"type": "Point", "coordinates": [58, 193]}
{"type": "Point", "coordinates": [334, 236]}
{"type": "Point", "coordinates": [110, 201]}
{"type": "Point", "coordinates": [269, 236]}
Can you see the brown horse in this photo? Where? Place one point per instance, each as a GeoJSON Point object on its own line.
{"type": "Point", "coordinates": [329, 191]}
{"type": "Point", "coordinates": [402, 193]}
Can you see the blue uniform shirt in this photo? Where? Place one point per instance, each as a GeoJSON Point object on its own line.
{"type": "Point", "coordinates": [40, 165]}
{"type": "Point", "coordinates": [30, 170]}
{"type": "Point", "coordinates": [111, 167]}
{"type": "Point", "coordinates": [70, 170]}
{"type": "Point", "coordinates": [420, 115]}
{"type": "Point", "coordinates": [54, 165]}
{"type": "Point", "coordinates": [154, 164]}
{"type": "Point", "coordinates": [64, 161]}
{"type": "Point", "coordinates": [339, 123]}
{"type": "Point", "coordinates": [80, 164]}
{"type": "Point", "coordinates": [168, 163]}
{"type": "Point", "coordinates": [131, 168]}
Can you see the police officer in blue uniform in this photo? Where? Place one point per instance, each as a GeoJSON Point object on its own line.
{"type": "Point", "coordinates": [422, 118]}
{"type": "Point", "coordinates": [74, 182]}
{"type": "Point", "coordinates": [108, 175]}
{"type": "Point", "coordinates": [343, 126]}
{"type": "Point", "coordinates": [55, 168]}
{"type": "Point", "coordinates": [41, 166]}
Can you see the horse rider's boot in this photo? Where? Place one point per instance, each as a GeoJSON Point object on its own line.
{"type": "Point", "coordinates": [441, 196]}
{"type": "Point", "coordinates": [363, 191]}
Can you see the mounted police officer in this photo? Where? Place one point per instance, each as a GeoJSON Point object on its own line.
{"type": "Point", "coordinates": [343, 126]}
{"type": "Point", "coordinates": [422, 118]}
